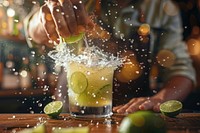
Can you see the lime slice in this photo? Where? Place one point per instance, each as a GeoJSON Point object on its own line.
{"type": "Point", "coordinates": [105, 89]}
{"type": "Point", "coordinates": [71, 130]}
{"type": "Point", "coordinates": [171, 108]}
{"type": "Point", "coordinates": [142, 122]}
{"type": "Point", "coordinates": [74, 38]}
{"type": "Point", "coordinates": [78, 82]}
{"type": "Point", "coordinates": [53, 109]}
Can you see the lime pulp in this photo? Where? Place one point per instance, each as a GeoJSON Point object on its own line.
{"type": "Point", "coordinates": [171, 108]}
{"type": "Point", "coordinates": [53, 109]}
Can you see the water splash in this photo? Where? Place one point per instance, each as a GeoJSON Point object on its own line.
{"type": "Point", "coordinates": [91, 57]}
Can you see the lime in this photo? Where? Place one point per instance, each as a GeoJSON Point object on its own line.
{"type": "Point", "coordinates": [53, 109]}
{"type": "Point", "coordinates": [74, 38]}
{"type": "Point", "coordinates": [71, 130]}
{"type": "Point", "coordinates": [105, 89]}
{"type": "Point", "coordinates": [171, 108]}
{"type": "Point", "coordinates": [78, 82]}
{"type": "Point", "coordinates": [142, 122]}
{"type": "Point", "coordinates": [39, 129]}
{"type": "Point", "coordinates": [28, 130]}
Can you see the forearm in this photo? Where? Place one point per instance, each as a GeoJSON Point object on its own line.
{"type": "Point", "coordinates": [36, 30]}
{"type": "Point", "coordinates": [178, 87]}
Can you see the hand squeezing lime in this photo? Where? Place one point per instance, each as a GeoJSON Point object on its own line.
{"type": "Point", "coordinates": [53, 109]}
{"type": "Point", "coordinates": [171, 108]}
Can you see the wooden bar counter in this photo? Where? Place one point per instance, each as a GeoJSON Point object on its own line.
{"type": "Point", "coordinates": [11, 123]}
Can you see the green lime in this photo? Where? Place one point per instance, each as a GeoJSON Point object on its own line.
{"type": "Point", "coordinates": [78, 82]}
{"type": "Point", "coordinates": [71, 130]}
{"type": "Point", "coordinates": [171, 108]}
{"type": "Point", "coordinates": [142, 122]}
{"type": "Point", "coordinates": [74, 38]}
{"type": "Point", "coordinates": [28, 130]}
{"type": "Point", "coordinates": [105, 89]}
{"type": "Point", "coordinates": [53, 109]}
{"type": "Point", "coordinates": [39, 129]}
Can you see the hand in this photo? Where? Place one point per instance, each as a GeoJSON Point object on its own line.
{"type": "Point", "coordinates": [142, 103]}
{"type": "Point", "coordinates": [63, 18]}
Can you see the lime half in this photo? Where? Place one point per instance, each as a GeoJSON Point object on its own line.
{"type": "Point", "coordinates": [78, 82]}
{"type": "Point", "coordinates": [171, 108]}
{"type": "Point", "coordinates": [71, 130]}
{"type": "Point", "coordinates": [74, 38]}
{"type": "Point", "coordinates": [53, 109]}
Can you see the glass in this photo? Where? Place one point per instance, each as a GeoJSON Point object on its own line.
{"type": "Point", "coordinates": [90, 90]}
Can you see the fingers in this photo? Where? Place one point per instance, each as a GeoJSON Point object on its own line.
{"type": "Point", "coordinates": [69, 15]}
{"type": "Point", "coordinates": [48, 23]}
{"type": "Point", "coordinates": [61, 25]}
{"type": "Point", "coordinates": [143, 103]}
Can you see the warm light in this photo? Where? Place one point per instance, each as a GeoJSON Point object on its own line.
{"type": "Point", "coordinates": [131, 69]}
{"type": "Point", "coordinates": [193, 46]}
{"type": "Point", "coordinates": [165, 58]}
{"type": "Point", "coordinates": [4, 25]}
{"type": "Point", "coordinates": [48, 17]}
{"type": "Point", "coordinates": [23, 73]}
{"type": "Point", "coordinates": [10, 12]}
{"type": "Point", "coordinates": [144, 29]}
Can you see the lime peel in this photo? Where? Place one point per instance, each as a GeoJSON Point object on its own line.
{"type": "Point", "coordinates": [171, 108]}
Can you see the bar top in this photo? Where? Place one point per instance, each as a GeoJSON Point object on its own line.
{"type": "Point", "coordinates": [10, 123]}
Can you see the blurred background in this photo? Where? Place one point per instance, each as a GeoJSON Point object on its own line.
{"type": "Point", "coordinates": [28, 77]}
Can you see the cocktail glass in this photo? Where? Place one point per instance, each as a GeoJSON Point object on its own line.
{"type": "Point", "coordinates": [90, 90]}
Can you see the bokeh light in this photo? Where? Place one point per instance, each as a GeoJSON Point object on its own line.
{"type": "Point", "coordinates": [144, 29]}
{"type": "Point", "coordinates": [193, 46]}
{"type": "Point", "coordinates": [165, 58]}
{"type": "Point", "coordinates": [131, 69]}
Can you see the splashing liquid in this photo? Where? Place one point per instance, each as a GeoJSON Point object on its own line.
{"type": "Point", "coordinates": [90, 79]}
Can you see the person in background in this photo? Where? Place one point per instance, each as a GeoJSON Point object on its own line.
{"type": "Point", "coordinates": [147, 33]}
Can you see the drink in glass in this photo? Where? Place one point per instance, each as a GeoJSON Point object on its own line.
{"type": "Point", "coordinates": [90, 90]}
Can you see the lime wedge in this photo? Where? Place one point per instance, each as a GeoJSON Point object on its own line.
{"type": "Point", "coordinates": [78, 82]}
{"type": "Point", "coordinates": [74, 38]}
{"type": "Point", "coordinates": [71, 130]}
{"type": "Point", "coordinates": [171, 108]}
{"type": "Point", "coordinates": [53, 109]}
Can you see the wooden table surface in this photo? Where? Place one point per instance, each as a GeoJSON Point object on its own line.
{"type": "Point", "coordinates": [10, 123]}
